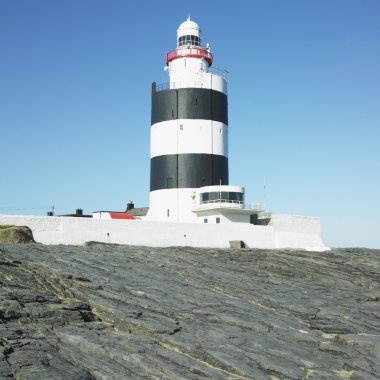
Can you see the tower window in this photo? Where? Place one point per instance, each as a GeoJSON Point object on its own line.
{"type": "Point", "coordinates": [168, 213]}
{"type": "Point", "coordinates": [189, 40]}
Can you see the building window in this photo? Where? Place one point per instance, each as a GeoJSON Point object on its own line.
{"type": "Point", "coordinates": [168, 213]}
{"type": "Point", "coordinates": [205, 220]}
{"type": "Point", "coordinates": [181, 127]}
{"type": "Point", "coordinates": [222, 196]}
{"type": "Point", "coordinates": [217, 220]}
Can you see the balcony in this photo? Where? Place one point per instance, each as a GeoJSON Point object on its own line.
{"type": "Point", "coordinates": [230, 206]}
{"type": "Point", "coordinates": [179, 84]}
{"type": "Point", "coordinates": [190, 52]}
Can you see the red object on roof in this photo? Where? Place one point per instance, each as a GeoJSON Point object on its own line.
{"type": "Point", "coordinates": [190, 52]}
{"type": "Point", "coordinates": [121, 215]}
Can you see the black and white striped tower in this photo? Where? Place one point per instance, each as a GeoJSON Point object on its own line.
{"type": "Point", "coordinates": [188, 130]}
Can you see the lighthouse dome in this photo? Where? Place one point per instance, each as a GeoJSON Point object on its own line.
{"type": "Point", "coordinates": [189, 33]}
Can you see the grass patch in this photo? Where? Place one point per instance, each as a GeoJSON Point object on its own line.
{"type": "Point", "coordinates": [3, 227]}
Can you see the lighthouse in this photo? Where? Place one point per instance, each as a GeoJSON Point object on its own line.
{"type": "Point", "coordinates": [191, 200]}
{"type": "Point", "coordinates": [189, 138]}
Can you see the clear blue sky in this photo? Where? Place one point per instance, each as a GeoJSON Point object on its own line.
{"type": "Point", "coordinates": [304, 103]}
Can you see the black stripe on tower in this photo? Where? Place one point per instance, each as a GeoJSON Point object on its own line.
{"type": "Point", "coordinates": [189, 103]}
{"type": "Point", "coordinates": [188, 171]}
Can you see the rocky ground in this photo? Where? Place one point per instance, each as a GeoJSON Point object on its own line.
{"type": "Point", "coordinates": [116, 312]}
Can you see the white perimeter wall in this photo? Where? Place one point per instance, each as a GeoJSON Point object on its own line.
{"type": "Point", "coordinates": [295, 231]}
{"type": "Point", "coordinates": [287, 231]}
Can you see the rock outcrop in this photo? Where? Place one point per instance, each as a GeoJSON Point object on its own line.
{"type": "Point", "coordinates": [116, 312]}
{"type": "Point", "coordinates": [15, 234]}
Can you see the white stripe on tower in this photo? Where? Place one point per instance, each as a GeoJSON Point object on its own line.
{"type": "Point", "coordinates": [189, 136]}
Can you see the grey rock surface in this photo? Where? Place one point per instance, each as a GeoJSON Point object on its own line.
{"type": "Point", "coordinates": [116, 312]}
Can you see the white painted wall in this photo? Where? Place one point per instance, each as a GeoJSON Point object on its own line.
{"type": "Point", "coordinates": [184, 70]}
{"type": "Point", "coordinates": [214, 82]}
{"type": "Point", "coordinates": [296, 223]}
{"type": "Point", "coordinates": [179, 202]}
{"type": "Point", "coordinates": [236, 218]}
{"type": "Point", "coordinates": [294, 231]}
{"type": "Point", "coordinates": [225, 218]}
{"type": "Point", "coordinates": [101, 215]}
{"type": "Point", "coordinates": [287, 231]}
{"type": "Point", "coordinates": [187, 72]}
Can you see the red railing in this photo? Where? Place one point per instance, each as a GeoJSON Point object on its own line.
{"type": "Point", "coordinates": [189, 52]}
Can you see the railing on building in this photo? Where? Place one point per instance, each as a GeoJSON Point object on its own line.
{"type": "Point", "coordinates": [190, 52]}
{"type": "Point", "coordinates": [190, 84]}
{"type": "Point", "coordinates": [220, 72]}
{"type": "Point", "coordinates": [224, 203]}
{"type": "Point", "coordinates": [182, 84]}
{"type": "Point", "coordinates": [178, 84]}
